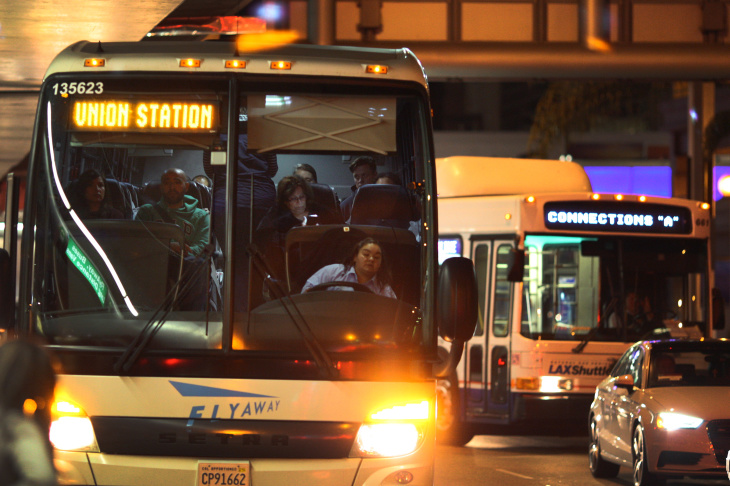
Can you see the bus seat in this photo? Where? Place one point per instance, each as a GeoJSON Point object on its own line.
{"type": "Point", "coordinates": [326, 196]}
{"type": "Point", "coordinates": [382, 205]}
{"type": "Point", "coordinates": [122, 196]}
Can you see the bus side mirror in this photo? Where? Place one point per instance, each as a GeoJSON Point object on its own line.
{"type": "Point", "coordinates": [7, 291]}
{"type": "Point", "coordinates": [457, 299]}
{"type": "Point", "coordinates": [515, 265]}
{"type": "Point", "coordinates": [456, 309]}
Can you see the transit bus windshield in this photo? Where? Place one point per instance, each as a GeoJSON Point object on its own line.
{"type": "Point", "coordinates": [154, 193]}
{"type": "Point", "coordinates": [607, 288]}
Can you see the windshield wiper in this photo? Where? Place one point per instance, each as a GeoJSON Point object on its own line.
{"type": "Point", "coordinates": [321, 358]}
{"type": "Point", "coordinates": [153, 325]}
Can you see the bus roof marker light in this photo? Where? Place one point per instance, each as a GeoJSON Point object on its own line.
{"type": "Point", "coordinates": [190, 63]}
{"type": "Point", "coordinates": [281, 65]}
{"type": "Point", "coordinates": [530, 199]}
{"type": "Point", "coordinates": [236, 64]}
{"type": "Point", "coordinates": [705, 206]}
{"type": "Point", "coordinates": [642, 198]}
{"type": "Point", "coordinates": [619, 197]}
{"type": "Point", "coordinates": [376, 69]}
{"type": "Point", "coordinates": [94, 62]}
{"type": "Point", "coordinates": [595, 196]}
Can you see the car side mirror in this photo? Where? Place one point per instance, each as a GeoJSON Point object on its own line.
{"type": "Point", "coordinates": [624, 381]}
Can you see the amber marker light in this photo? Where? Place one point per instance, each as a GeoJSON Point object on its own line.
{"type": "Point", "coordinates": [642, 198]}
{"type": "Point", "coordinates": [94, 62]}
{"type": "Point", "coordinates": [619, 197]}
{"type": "Point", "coordinates": [377, 69]}
{"type": "Point", "coordinates": [236, 64]}
{"type": "Point", "coordinates": [281, 65]}
{"type": "Point", "coordinates": [530, 199]}
{"type": "Point", "coordinates": [595, 197]}
{"type": "Point", "coordinates": [190, 63]}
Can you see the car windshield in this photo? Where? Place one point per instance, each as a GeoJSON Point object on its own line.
{"type": "Point", "coordinates": [146, 208]}
{"type": "Point", "coordinates": [704, 363]}
{"type": "Point", "coordinates": [612, 289]}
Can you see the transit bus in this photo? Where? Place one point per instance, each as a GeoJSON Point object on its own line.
{"type": "Point", "coordinates": [560, 271]}
{"type": "Point", "coordinates": [212, 367]}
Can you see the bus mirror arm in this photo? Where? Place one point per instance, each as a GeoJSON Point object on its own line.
{"type": "Point", "coordinates": [456, 307]}
{"type": "Point", "coordinates": [447, 364]}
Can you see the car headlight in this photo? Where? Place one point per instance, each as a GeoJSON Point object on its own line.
{"type": "Point", "coordinates": [674, 421]}
{"type": "Point", "coordinates": [392, 432]}
{"type": "Point", "coordinates": [71, 428]}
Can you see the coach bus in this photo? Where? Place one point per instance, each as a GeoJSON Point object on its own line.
{"type": "Point", "coordinates": [212, 367]}
{"type": "Point", "coordinates": [567, 279]}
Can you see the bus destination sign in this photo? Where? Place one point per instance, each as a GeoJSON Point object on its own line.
{"type": "Point", "coordinates": [618, 217]}
{"type": "Point", "coordinates": [144, 116]}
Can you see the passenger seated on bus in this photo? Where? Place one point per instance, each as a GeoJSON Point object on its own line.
{"type": "Point", "coordinates": [176, 207]}
{"type": "Point", "coordinates": [88, 197]}
{"type": "Point", "coordinates": [364, 266]}
{"type": "Point", "coordinates": [364, 171]}
{"type": "Point", "coordinates": [295, 206]}
{"type": "Point", "coordinates": [388, 178]}
{"type": "Point", "coordinates": [306, 172]}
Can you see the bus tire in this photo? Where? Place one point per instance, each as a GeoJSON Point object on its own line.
{"type": "Point", "coordinates": [450, 429]}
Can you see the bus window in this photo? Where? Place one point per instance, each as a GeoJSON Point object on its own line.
{"type": "Point", "coordinates": [481, 264]}
{"type": "Point", "coordinates": [502, 293]}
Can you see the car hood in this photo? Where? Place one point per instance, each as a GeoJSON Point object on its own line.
{"type": "Point", "coordinates": [705, 402]}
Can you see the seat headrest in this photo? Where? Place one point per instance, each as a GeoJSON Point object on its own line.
{"type": "Point", "coordinates": [382, 205]}
{"type": "Point", "coordinates": [325, 195]}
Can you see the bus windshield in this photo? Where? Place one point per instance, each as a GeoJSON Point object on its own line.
{"type": "Point", "coordinates": [157, 193]}
{"type": "Point", "coordinates": [612, 288]}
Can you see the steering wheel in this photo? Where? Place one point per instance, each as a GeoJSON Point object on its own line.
{"type": "Point", "coordinates": [354, 285]}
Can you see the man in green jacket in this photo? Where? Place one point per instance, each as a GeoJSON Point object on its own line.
{"type": "Point", "coordinates": [178, 208]}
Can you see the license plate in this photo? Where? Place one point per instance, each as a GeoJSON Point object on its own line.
{"type": "Point", "coordinates": [224, 474]}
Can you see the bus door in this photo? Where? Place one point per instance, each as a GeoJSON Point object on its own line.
{"type": "Point", "coordinates": [499, 349]}
{"type": "Point", "coordinates": [474, 364]}
{"type": "Point", "coordinates": [487, 355]}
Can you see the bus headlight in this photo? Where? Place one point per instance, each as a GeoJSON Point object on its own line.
{"type": "Point", "coordinates": [392, 432]}
{"type": "Point", "coordinates": [71, 428]}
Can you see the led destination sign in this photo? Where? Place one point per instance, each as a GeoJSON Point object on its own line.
{"type": "Point", "coordinates": [615, 217]}
{"type": "Point", "coordinates": [144, 116]}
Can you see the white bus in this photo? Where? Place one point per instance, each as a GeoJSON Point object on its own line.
{"type": "Point", "coordinates": [212, 367]}
{"type": "Point", "coordinates": [550, 330]}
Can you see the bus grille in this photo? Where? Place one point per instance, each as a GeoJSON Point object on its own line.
{"type": "Point", "coordinates": [228, 439]}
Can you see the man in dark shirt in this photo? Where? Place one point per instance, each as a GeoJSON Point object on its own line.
{"type": "Point", "coordinates": [364, 171]}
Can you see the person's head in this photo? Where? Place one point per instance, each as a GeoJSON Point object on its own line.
{"type": "Point", "coordinates": [91, 188]}
{"type": "Point", "coordinates": [26, 373]}
{"type": "Point", "coordinates": [367, 258]}
{"type": "Point", "coordinates": [306, 172]}
{"type": "Point", "coordinates": [203, 179]}
{"type": "Point", "coordinates": [364, 171]}
{"type": "Point", "coordinates": [174, 187]}
{"type": "Point", "coordinates": [294, 194]}
{"type": "Point", "coordinates": [388, 178]}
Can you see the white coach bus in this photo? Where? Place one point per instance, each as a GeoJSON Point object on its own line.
{"type": "Point", "coordinates": [209, 366]}
{"type": "Point", "coordinates": [567, 280]}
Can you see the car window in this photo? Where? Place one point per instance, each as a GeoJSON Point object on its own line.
{"type": "Point", "coordinates": [621, 367]}
{"type": "Point", "coordinates": [635, 362]}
